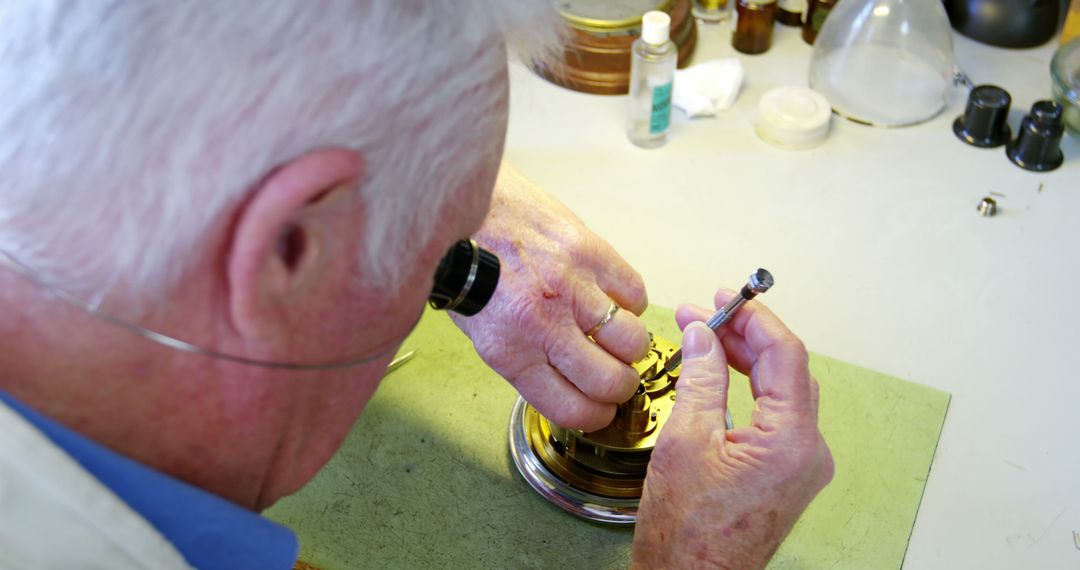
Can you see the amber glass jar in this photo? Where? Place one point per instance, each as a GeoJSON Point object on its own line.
{"type": "Point", "coordinates": [790, 12]}
{"type": "Point", "coordinates": [816, 12]}
{"type": "Point", "coordinates": [753, 32]}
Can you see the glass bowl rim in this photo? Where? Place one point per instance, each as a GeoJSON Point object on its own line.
{"type": "Point", "coordinates": [1069, 91]}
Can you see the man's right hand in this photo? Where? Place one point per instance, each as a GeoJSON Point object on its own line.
{"type": "Point", "coordinates": [727, 498]}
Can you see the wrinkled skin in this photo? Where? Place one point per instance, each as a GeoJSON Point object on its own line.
{"type": "Point", "coordinates": [715, 498]}
{"type": "Point", "coordinates": [558, 280]}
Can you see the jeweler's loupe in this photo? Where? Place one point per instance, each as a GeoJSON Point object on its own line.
{"type": "Point", "coordinates": [465, 280]}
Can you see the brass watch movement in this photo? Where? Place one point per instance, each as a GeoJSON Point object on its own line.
{"type": "Point", "coordinates": [598, 475]}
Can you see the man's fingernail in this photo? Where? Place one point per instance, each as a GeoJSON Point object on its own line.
{"type": "Point", "coordinates": [697, 340]}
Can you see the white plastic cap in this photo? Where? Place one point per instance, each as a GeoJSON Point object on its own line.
{"type": "Point", "coordinates": [793, 117]}
{"type": "Point", "coordinates": [655, 27]}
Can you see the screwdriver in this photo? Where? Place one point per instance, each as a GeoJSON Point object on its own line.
{"type": "Point", "coordinates": [758, 283]}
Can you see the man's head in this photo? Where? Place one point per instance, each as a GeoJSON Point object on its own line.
{"type": "Point", "coordinates": [275, 180]}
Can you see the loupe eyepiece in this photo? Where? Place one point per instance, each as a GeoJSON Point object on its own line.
{"type": "Point", "coordinates": [465, 280]}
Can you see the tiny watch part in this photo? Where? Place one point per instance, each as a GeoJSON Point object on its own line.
{"type": "Point", "coordinates": [598, 475]}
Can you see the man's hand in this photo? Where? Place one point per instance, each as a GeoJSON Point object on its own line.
{"type": "Point", "coordinates": [558, 280]}
{"type": "Point", "coordinates": [719, 498]}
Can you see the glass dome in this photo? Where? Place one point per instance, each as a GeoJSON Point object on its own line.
{"type": "Point", "coordinates": [1065, 70]}
{"type": "Point", "coordinates": [886, 63]}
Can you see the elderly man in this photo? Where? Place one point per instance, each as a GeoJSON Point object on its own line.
{"type": "Point", "coordinates": [209, 208]}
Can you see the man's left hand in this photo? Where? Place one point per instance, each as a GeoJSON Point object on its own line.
{"type": "Point", "coordinates": [558, 281]}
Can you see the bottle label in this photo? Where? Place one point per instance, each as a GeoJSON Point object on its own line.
{"type": "Point", "coordinates": [661, 109]}
{"type": "Point", "coordinates": [819, 18]}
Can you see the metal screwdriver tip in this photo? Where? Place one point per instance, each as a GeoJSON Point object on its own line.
{"type": "Point", "coordinates": [760, 281]}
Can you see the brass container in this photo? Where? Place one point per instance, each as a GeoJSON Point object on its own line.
{"type": "Point", "coordinates": [596, 58]}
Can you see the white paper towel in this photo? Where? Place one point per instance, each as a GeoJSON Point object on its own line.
{"type": "Point", "coordinates": [703, 89]}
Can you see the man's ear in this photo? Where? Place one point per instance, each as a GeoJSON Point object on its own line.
{"type": "Point", "coordinates": [274, 247]}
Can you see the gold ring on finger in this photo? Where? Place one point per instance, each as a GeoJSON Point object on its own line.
{"type": "Point", "coordinates": [614, 308]}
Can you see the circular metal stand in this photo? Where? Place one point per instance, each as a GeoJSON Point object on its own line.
{"type": "Point", "coordinates": [586, 505]}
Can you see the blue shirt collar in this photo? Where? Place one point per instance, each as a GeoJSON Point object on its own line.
{"type": "Point", "coordinates": [207, 530]}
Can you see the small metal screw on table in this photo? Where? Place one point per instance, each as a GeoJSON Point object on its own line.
{"type": "Point", "coordinates": [987, 207]}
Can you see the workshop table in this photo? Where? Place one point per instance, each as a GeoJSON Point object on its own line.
{"type": "Point", "coordinates": [425, 478]}
{"type": "Point", "coordinates": [881, 260]}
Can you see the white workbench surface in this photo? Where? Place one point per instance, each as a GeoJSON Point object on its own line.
{"type": "Point", "coordinates": [881, 260]}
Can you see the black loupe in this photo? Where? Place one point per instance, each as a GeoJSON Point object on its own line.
{"type": "Point", "coordinates": [465, 280]}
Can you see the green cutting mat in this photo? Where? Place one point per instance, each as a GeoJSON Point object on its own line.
{"type": "Point", "coordinates": [425, 479]}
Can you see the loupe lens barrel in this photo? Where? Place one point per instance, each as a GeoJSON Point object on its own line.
{"type": "Point", "coordinates": [465, 280]}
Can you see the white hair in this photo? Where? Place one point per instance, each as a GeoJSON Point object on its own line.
{"type": "Point", "coordinates": [132, 128]}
